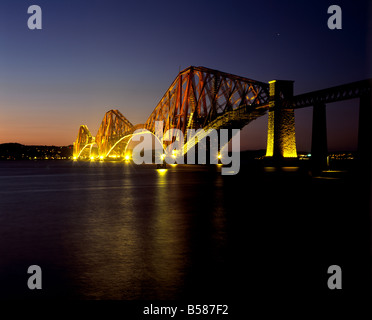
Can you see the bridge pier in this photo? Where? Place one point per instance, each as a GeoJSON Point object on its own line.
{"type": "Point", "coordinates": [319, 147]}
{"type": "Point", "coordinates": [281, 138]}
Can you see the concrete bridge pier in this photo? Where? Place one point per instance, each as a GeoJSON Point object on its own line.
{"type": "Point", "coordinates": [319, 147]}
{"type": "Point", "coordinates": [281, 138]}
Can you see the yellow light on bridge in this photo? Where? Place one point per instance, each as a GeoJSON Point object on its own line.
{"type": "Point", "coordinates": [174, 153]}
{"type": "Point", "coordinates": [290, 154]}
{"type": "Point", "coordinates": [101, 157]}
{"type": "Point", "coordinates": [161, 171]}
{"type": "Point", "coordinates": [127, 157]}
{"type": "Point", "coordinates": [219, 156]}
{"type": "Point", "coordinates": [92, 158]}
{"type": "Point", "coordinates": [74, 158]}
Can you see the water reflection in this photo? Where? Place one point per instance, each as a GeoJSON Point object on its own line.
{"type": "Point", "coordinates": [137, 231]}
{"type": "Point", "coordinates": [113, 230]}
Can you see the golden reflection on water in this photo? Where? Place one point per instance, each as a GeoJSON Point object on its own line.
{"type": "Point", "coordinates": [141, 237]}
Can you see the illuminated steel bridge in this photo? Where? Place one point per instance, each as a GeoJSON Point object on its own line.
{"type": "Point", "coordinates": [197, 98]}
{"type": "Point", "coordinates": [202, 98]}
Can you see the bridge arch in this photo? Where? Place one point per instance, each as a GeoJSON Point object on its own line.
{"type": "Point", "coordinates": [159, 147]}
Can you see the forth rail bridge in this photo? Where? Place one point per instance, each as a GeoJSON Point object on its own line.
{"type": "Point", "coordinates": [203, 98]}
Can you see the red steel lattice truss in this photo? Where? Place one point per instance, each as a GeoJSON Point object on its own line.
{"type": "Point", "coordinates": [198, 98]}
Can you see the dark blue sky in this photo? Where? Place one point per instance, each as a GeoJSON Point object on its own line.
{"type": "Point", "coordinates": [92, 56]}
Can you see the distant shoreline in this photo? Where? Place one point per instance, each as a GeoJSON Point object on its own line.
{"type": "Point", "coordinates": [17, 151]}
{"type": "Point", "coordinates": [20, 152]}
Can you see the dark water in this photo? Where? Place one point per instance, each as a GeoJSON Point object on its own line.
{"type": "Point", "coordinates": [118, 231]}
{"type": "Point", "coordinates": [110, 230]}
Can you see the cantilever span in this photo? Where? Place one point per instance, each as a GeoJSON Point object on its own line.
{"type": "Point", "coordinates": [114, 126]}
{"type": "Point", "coordinates": [83, 140]}
{"type": "Point", "coordinates": [197, 98]}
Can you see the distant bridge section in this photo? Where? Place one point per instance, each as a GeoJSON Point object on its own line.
{"type": "Point", "coordinates": [361, 90]}
{"type": "Point", "coordinates": [83, 143]}
{"type": "Point", "coordinates": [338, 93]}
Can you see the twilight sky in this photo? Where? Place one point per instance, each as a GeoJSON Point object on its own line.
{"type": "Point", "coordinates": [93, 56]}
